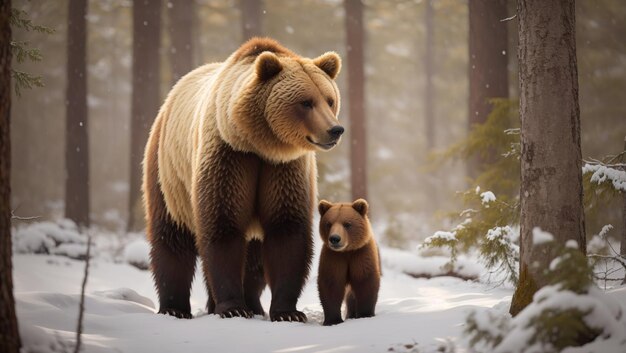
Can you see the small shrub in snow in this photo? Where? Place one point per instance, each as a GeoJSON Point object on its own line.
{"type": "Point", "coordinates": [137, 253]}
{"type": "Point", "coordinates": [570, 315]}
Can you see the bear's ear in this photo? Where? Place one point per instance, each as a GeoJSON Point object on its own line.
{"type": "Point", "coordinates": [330, 63]}
{"type": "Point", "coordinates": [267, 66]}
{"type": "Point", "coordinates": [360, 206]}
{"type": "Point", "coordinates": [324, 206]}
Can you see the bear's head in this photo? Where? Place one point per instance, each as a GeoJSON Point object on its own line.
{"type": "Point", "coordinates": [290, 104]}
{"type": "Point", "coordinates": [344, 226]}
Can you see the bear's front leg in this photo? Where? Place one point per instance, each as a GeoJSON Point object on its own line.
{"type": "Point", "coordinates": [224, 196]}
{"type": "Point", "coordinates": [286, 254]}
{"type": "Point", "coordinates": [361, 301]}
{"type": "Point", "coordinates": [331, 284]}
{"type": "Point", "coordinates": [286, 214]}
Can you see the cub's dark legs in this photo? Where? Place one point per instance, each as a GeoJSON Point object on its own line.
{"type": "Point", "coordinates": [331, 284]}
{"type": "Point", "coordinates": [254, 278]}
{"type": "Point", "coordinates": [362, 297]}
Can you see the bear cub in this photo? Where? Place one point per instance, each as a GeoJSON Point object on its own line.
{"type": "Point", "coordinates": [350, 262]}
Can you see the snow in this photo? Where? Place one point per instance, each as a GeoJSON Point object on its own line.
{"type": "Point", "coordinates": [573, 244]}
{"type": "Point", "coordinates": [61, 238]}
{"type": "Point", "coordinates": [121, 301]}
{"type": "Point", "coordinates": [137, 253]}
{"type": "Point", "coordinates": [603, 174]}
{"type": "Point", "coordinates": [441, 235]}
{"type": "Point", "coordinates": [431, 266]}
{"type": "Point", "coordinates": [541, 237]}
{"type": "Point", "coordinates": [600, 312]}
{"type": "Point", "coordinates": [413, 314]}
{"type": "Point", "coordinates": [487, 197]}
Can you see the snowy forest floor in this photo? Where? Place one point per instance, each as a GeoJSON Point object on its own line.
{"type": "Point", "coordinates": [413, 314]}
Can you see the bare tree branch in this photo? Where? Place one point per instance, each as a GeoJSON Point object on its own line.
{"type": "Point", "coordinates": [81, 308]}
{"type": "Point", "coordinates": [14, 216]}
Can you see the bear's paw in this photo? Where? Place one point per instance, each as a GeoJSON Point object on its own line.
{"type": "Point", "coordinates": [176, 313]}
{"type": "Point", "coordinates": [231, 311]}
{"type": "Point", "coordinates": [288, 316]}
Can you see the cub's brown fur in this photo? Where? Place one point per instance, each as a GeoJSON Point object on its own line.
{"type": "Point", "coordinates": [230, 175]}
{"type": "Point", "coordinates": [349, 263]}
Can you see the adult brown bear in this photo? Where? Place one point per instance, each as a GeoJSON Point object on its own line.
{"type": "Point", "coordinates": [230, 175]}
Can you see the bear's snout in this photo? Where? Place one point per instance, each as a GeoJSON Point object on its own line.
{"type": "Point", "coordinates": [336, 131]}
{"type": "Point", "coordinates": [334, 239]}
{"type": "Point", "coordinates": [334, 242]}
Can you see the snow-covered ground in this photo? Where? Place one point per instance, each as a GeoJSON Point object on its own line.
{"type": "Point", "coordinates": [413, 315]}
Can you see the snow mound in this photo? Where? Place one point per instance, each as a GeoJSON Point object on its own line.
{"type": "Point", "coordinates": [61, 238]}
{"type": "Point", "coordinates": [533, 330]}
{"type": "Point", "coordinates": [39, 340]}
{"type": "Point", "coordinates": [427, 267]}
{"type": "Point", "coordinates": [137, 253]}
{"type": "Point", "coordinates": [125, 294]}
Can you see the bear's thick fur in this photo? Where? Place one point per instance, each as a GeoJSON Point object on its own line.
{"type": "Point", "coordinates": [230, 175]}
{"type": "Point", "coordinates": [349, 263]}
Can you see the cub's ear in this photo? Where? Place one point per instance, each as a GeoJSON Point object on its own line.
{"type": "Point", "coordinates": [324, 206]}
{"type": "Point", "coordinates": [360, 206]}
{"type": "Point", "coordinates": [330, 63]}
{"type": "Point", "coordinates": [267, 66]}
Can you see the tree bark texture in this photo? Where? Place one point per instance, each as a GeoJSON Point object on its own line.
{"type": "Point", "coordinates": [551, 176]}
{"type": "Point", "coordinates": [488, 75]}
{"type": "Point", "coordinates": [9, 335]}
{"type": "Point", "coordinates": [76, 123]}
{"type": "Point", "coordinates": [251, 24]}
{"type": "Point", "coordinates": [429, 95]}
{"type": "Point", "coordinates": [181, 19]}
{"type": "Point", "coordinates": [145, 98]}
{"type": "Point", "coordinates": [356, 98]}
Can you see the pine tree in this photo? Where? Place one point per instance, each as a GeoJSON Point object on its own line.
{"type": "Point", "coordinates": [146, 97]}
{"type": "Point", "coordinates": [9, 335]}
{"type": "Point", "coordinates": [76, 126]}
{"type": "Point", "coordinates": [356, 98]}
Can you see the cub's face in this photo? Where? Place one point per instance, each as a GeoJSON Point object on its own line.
{"type": "Point", "coordinates": [344, 226]}
{"type": "Point", "coordinates": [303, 99]}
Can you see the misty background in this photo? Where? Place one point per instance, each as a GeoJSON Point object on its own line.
{"type": "Point", "coordinates": [411, 193]}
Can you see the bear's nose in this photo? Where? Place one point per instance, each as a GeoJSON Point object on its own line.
{"type": "Point", "coordinates": [336, 131]}
{"type": "Point", "coordinates": [334, 239]}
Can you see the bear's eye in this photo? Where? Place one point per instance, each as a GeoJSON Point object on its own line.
{"type": "Point", "coordinates": [347, 225]}
{"type": "Point", "coordinates": [308, 104]}
{"type": "Point", "coordinates": [331, 102]}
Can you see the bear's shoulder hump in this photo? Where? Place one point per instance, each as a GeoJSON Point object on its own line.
{"type": "Point", "coordinates": [257, 45]}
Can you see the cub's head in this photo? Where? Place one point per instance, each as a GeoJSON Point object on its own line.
{"type": "Point", "coordinates": [290, 106]}
{"type": "Point", "coordinates": [344, 226]}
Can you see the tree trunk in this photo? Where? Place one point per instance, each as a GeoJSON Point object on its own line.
{"type": "Point", "coordinates": [429, 91]}
{"type": "Point", "coordinates": [181, 19]}
{"type": "Point", "coordinates": [356, 98]}
{"type": "Point", "coordinates": [488, 75]}
{"type": "Point", "coordinates": [622, 246]}
{"type": "Point", "coordinates": [76, 127]}
{"type": "Point", "coordinates": [9, 335]}
{"type": "Point", "coordinates": [145, 98]}
{"type": "Point", "coordinates": [551, 178]}
{"type": "Point", "coordinates": [250, 18]}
